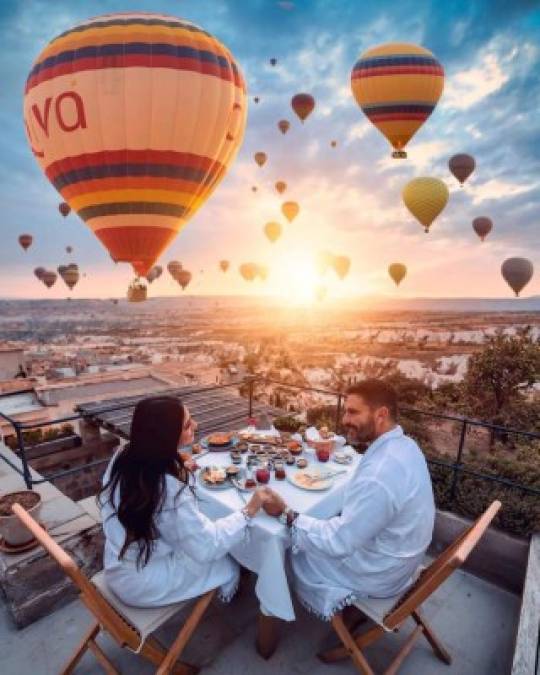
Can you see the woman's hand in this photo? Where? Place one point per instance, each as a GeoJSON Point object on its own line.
{"type": "Point", "coordinates": [257, 500]}
{"type": "Point", "coordinates": [274, 505]}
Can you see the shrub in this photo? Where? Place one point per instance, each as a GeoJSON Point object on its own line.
{"type": "Point", "coordinates": [287, 423]}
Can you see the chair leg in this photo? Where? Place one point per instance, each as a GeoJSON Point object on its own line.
{"type": "Point", "coordinates": [100, 655]}
{"type": "Point", "coordinates": [92, 632]}
{"type": "Point", "coordinates": [438, 648]}
{"type": "Point", "coordinates": [361, 641]}
{"type": "Point", "coordinates": [404, 651]}
{"type": "Point", "coordinates": [155, 652]}
{"type": "Point", "coordinates": [352, 648]}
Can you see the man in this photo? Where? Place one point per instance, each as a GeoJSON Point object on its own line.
{"type": "Point", "coordinates": [374, 547]}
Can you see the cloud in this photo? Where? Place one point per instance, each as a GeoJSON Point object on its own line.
{"type": "Point", "coordinates": [469, 87]}
{"type": "Point", "coordinates": [496, 189]}
{"type": "Point", "coordinates": [421, 156]}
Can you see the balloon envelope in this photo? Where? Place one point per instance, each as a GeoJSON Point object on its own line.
{"type": "Point", "coordinates": [397, 271]}
{"type": "Point", "coordinates": [71, 277]}
{"type": "Point", "coordinates": [272, 231]}
{"type": "Point", "coordinates": [323, 261]}
{"type": "Point", "coordinates": [260, 158]}
{"type": "Point", "coordinates": [303, 105]}
{"type": "Point", "coordinates": [517, 272]}
{"type": "Point", "coordinates": [183, 278]}
{"type": "Point", "coordinates": [49, 278]}
{"type": "Point", "coordinates": [482, 226]}
{"type": "Point", "coordinates": [224, 265]}
{"type": "Point", "coordinates": [273, 61]}
{"type": "Point", "coordinates": [133, 118]}
{"type": "Point", "coordinates": [341, 265]}
{"type": "Point", "coordinates": [425, 198]}
{"type": "Point", "coordinates": [39, 272]}
{"type": "Point", "coordinates": [173, 268]}
{"type": "Point", "coordinates": [290, 210]}
{"type": "Point", "coordinates": [461, 166]}
{"type": "Point", "coordinates": [248, 271]}
{"type": "Point", "coordinates": [64, 209]}
{"type": "Point", "coordinates": [281, 186]}
{"type": "Point", "coordinates": [25, 240]}
{"type": "Point", "coordinates": [397, 86]}
{"type": "Point", "coordinates": [69, 249]}
{"type": "Point", "coordinates": [283, 126]}
{"type": "Point", "coordinates": [262, 271]}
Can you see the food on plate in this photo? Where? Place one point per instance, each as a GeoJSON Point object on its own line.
{"type": "Point", "coordinates": [214, 475]}
{"type": "Point", "coordinates": [301, 463]}
{"type": "Point", "coordinates": [242, 447]}
{"type": "Point", "coordinates": [196, 448]}
{"type": "Point", "coordinates": [232, 471]}
{"type": "Point", "coordinates": [310, 482]}
{"type": "Point", "coordinates": [342, 457]}
{"type": "Point", "coordinates": [220, 438]}
{"type": "Point", "coordinates": [294, 447]}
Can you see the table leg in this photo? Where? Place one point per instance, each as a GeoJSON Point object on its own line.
{"type": "Point", "coordinates": [267, 635]}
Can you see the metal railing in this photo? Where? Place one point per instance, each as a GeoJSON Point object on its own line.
{"type": "Point", "coordinates": [456, 467]}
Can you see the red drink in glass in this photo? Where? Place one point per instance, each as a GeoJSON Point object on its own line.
{"type": "Point", "coordinates": [263, 476]}
{"type": "Point", "coordinates": [323, 455]}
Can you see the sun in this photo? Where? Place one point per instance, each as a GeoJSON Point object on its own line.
{"type": "Point", "coordinates": [295, 278]}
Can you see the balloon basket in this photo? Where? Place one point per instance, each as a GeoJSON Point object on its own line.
{"type": "Point", "coordinates": [399, 154]}
{"type": "Point", "coordinates": [136, 292]}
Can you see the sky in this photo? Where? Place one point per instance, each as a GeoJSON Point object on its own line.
{"type": "Point", "coordinates": [349, 196]}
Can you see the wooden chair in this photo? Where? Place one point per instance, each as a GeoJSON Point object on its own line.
{"type": "Point", "coordinates": [130, 627]}
{"type": "Point", "coordinates": [390, 613]}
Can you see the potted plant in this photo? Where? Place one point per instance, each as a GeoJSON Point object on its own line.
{"type": "Point", "coordinates": [13, 532]}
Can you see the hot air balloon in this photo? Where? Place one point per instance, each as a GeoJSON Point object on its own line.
{"type": "Point", "coordinates": [273, 61]}
{"type": "Point", "coordinates": [49, 278]}
{"type": "Point", "coordinates": [64, 208]}
{"type": "Point", "coordinates": [272, 231]}
{"type": "Point", "coordinates": [256, 99]}
{"type": "Point", "coordinates": [323, 261]}
{"type": "Point", "coordinates": [260, 158]}
{"type": "Point", "coordinates": [153, 274]}
{"type": "Point", "coordinates": [71, 277]}
{"type": "Point", "coordinates": [262, 272]}
{"type": "Point", "coordinates": [425, 198]}
{"type": "Point", "coordinates": [517, 272]}
{"type": "Point", "coordinates": [283, 126]}
{"type": "Point", "coordinates": [398, 272]}
{"type": "Point", "coordinates": [248, 271]}
{"type": "Point", "coordinates": [136, 292]}
{"type": "Point", "coordinates": [333, 144]}
{"type": "Point", "coordinates": [482, 226]}
{"type": "Point", "coordinates": [183, 278]}
{"type": "Point", "coordinates": [281, 186]}
{"type": "Point", "coordinates": [254, 188]}
{"type": "Point", "coordinates": [131, 127]}
{"type": "Point", "coordinates": [303, 105]}
{"type": "Point", "coordinates": [62, 269]}
{"type": "Point", "coordinates": [341, 265]}
{"type": "Point", "coordinates": [320, 293]}
{"type": "Point", "coordinates": [224, 265]}
{"type": "Point", "coordinates": [69, 249]}
{"type": "Point", "coordinates": [39, 272]}
{"type": "Point", "coordinates": [397, 86]}
{"type": "Point", "coordinates": [25, 240]}
{"type": "Point", "coordinates": [290, 210]}
{"type": "Point", "coordinates": [159, 270]}
{"type": "Point", "coordinates": [173, 268]}
{"type": "Point", "coordinates": [461, 166]}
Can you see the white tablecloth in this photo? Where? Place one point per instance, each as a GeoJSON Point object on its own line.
{"type": "Point", "coordinates": [264, 551]}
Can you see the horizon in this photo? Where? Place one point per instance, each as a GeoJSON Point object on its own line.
{"type": "Point", "coordinates": [349, 196]}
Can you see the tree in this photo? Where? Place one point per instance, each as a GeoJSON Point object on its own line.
{"type": "Point", "coordinates": [499, 375]}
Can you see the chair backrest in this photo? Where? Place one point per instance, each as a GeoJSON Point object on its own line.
{"type": "Point", "coordinates": [107, 616]}
{"type": "Point", "coordinates": [441, 568]}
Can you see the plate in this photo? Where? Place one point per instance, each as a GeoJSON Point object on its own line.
{"type": "Point", "coordinates": [226, 485]}
{"type": "Point", "coordinates": [296, 479]}
{"type": "Point", "coordinates": [217, 448]}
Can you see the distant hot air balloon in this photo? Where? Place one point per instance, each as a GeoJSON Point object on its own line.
{"type": "Point", "coordinates": [39, 272]}
{"type": "Point", "coordinates": [62, 269]}
{"type": "Point", "coordinates": [461, 166]}
{"type": "Point", "coordinates": [132, 126]}
{"type": "Point", "coordinates": [71, 277]}
{"type": "Point", "coordinates": [248, 271]}
{"type": "Point", "coordinates": [159, 270]}
{"type": "Point", "coordinates": [272, 231]}
{"type": "Point", "coordinates": [262, 272]}
{"type": "Point", "coordinates": [281, 186]}
{"type": "Point", "coordinates": [153, 274]}
{"type": "Point", "coordinates": [341, 265]}
{"type": "Point", "coordinates": [224, 265]}
{"type": "Point", "coordinates": [25, 240]}
{"type": "Point", "coordinates": [69, 249]}
{"type": "Point", "coordinates": [333, 144]}
{"type": "Point", "coordinates": [397, 86]}
{"type": "Point", "coordinates": [256, 99]}
{"type": "Point", "coordinates": [323, 261]}
{"type": "Point", "coordinates": [64, 209]}
{"type": "Point", "coordinates": [260, 158]}
{"type": "Point", "coordinates": [254, 188]}
{"type": "Point", "coordinates": [303, 105]}
{"type": "Point", "coordinates": [173, 268]}
{"type": "Point", "coordinates": [183, 278]}
{"type": "Point", "coordinates": [425, 198]}
{"type": "Point", "coordinates": [517, 272]}
{"type": "Point", "coordinates": [320, 293]}
{"type": "Point", "coordinates": [482, 226]}
{"type": "Point", "coordinates": [398, 272]}
{"type": "Point", "coordinates": [273, 61]}
{"type": "Point", "coordinates": [290, 210]}
{"type": "Point", "coordinates": [49, 278]}
{"type": "Point", "coordinates": [283, 126]}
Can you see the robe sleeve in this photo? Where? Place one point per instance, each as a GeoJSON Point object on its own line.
{"type": "Point", "coordinates": [367, 510]}
{"type": "Point", "coordinates": [189, 531]}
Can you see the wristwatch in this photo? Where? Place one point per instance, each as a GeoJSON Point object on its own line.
{"type": "Point", "coordinates": [287, 517]}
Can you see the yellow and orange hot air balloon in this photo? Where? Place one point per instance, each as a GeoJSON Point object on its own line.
{"type": "Point", "coordinates": [290, 210]}
{"type": "Point", "coordinates": [224, 265]}
{"type": "Point", "coordinates": [260, 158]}
{"type": "Point", "coordinates": [397, 272]}
{"type": "Point", "coordinates": [248, 271]}
{"type": "Point", "coordinates": [135, 118]}
{"type": "Point", "coordinates": [397, 86]}
{"type": "Point", "coordinates": [272, 231]}
{"type": "Point", "coordinates": [341, 265]}
{"type": "Point", "coordinates": [425, 198]}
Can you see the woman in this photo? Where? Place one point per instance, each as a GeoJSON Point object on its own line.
{"type": "Point", "coordinates": [159, 548]}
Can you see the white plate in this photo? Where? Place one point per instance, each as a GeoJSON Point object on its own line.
{"type": "Point", "coordinates": [316, 487]}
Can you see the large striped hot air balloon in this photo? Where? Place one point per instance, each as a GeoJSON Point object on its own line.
{"type": "Point", "coordinates": [135, 119]}
{"type": "Point", "coordinates": [397, 86]}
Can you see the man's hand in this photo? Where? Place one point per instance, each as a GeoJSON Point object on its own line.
{"type": "Point", "coordinates": [273, 504]}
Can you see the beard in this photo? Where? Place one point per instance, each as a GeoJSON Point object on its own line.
{"type": "Point", "coordinates": [364, 433]}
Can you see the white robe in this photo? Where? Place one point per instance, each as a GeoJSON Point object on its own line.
{"type": "Point", "coordinates": [375, 546]}
{"type": "Point", "coordinates": [189, 558]}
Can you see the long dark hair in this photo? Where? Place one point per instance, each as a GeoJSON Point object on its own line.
{"type": "Point", "coordinates": [137, 478]}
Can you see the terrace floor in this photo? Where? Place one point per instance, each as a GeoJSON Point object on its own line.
{"type": "Point", "coordinates": [476, 620]}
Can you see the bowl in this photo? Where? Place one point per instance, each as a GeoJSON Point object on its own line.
{"type": "Point", "coordinates": [12, 530]}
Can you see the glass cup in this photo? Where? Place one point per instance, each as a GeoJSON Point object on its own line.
{"type": "Point", "coordinates": [323, 454]}
{"type": "Point", "coordinates": [279, 471]}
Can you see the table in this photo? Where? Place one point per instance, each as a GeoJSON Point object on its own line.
{"type": "Point", "coordinates": [264, 550]}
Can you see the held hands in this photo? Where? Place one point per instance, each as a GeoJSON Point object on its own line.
{"type": "Point", "coordinates": [272, 503]}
